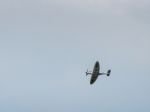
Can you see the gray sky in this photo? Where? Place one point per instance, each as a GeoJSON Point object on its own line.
{"type": "Point", "coordinates": [46, 47]}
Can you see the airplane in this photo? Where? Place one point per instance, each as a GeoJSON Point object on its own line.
{"type": "Point", "coordinates": [96, 73]}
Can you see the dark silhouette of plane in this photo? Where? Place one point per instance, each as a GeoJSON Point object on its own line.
{"type": "Point", "coordinates": [96, 73]}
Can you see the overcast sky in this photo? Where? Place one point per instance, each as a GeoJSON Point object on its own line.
{"type": "Point", "coordinates": [46, 47]}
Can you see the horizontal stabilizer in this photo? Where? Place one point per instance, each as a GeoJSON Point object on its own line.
{"type": "Point", "coordinates": [108, 72]}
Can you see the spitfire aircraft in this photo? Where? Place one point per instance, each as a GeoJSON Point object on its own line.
{"type": "Point", "coordinates": [96, 72]}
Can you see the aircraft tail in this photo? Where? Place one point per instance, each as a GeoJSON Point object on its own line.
{"type": "Point", "coordinates": [108, 72]}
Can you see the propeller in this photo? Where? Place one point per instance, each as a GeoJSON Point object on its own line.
{"type": "Point", "coordinates": [86, 72]}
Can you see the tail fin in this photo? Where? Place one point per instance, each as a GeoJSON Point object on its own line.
{"type": "Point", "coordinates": [108, 72]}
